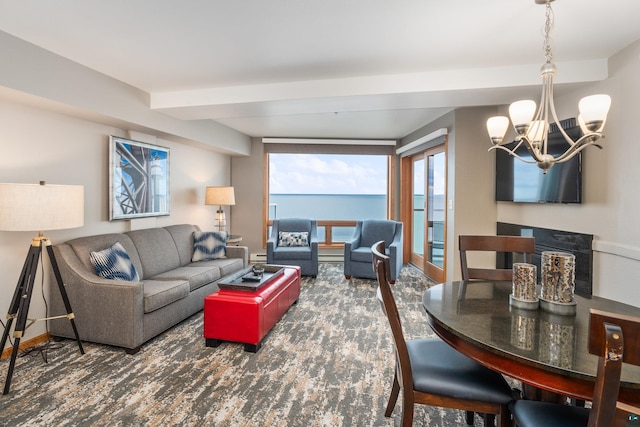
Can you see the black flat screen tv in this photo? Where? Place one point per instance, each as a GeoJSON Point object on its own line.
{"type": "Point", "coordinates": [517, 181]}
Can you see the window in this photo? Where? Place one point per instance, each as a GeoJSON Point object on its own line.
{"type": "Point", "coordinates": [328, 187]}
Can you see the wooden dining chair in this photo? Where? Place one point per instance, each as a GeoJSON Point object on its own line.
{"type": "Point", "coordinates": [510, 244]}
{"type": "Point", "coordinates": [615, 338]}
{"type": "Point", "coordinates": [431, 372]}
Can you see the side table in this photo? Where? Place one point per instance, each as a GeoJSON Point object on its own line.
{"type": "Point", "coordinates": [234, 239]}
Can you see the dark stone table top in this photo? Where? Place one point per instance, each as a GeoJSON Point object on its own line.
{"type": "Point", "coordinates": [478, 315]}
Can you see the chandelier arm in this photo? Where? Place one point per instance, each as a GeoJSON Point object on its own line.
{"type": "Point", "coordinates": [512, 153]}
{"type": "Point", "coordinates": [520, 140]}
{"type": "Point", "coordinates": [531, 148]}
{"type": "Point", "coordinates": [523, 139]}
{"type": "Point", "coordinates": [582, 143]}
{"type": "Point", "coordinates": [552, 107]}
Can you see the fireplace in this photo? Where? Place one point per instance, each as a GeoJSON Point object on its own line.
{"type": "Point", "coordinates": [577, 244]}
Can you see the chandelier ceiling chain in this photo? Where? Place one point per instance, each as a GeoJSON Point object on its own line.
{"type": "Point", "coordinates": [532, 123]}
{"type": "Point", "coordinates": [548, 25]}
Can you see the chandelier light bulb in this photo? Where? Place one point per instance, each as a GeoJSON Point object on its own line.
{"type": "Point", "coordinates": [537, 131]}
{"type": "Point", "coordinates": [521, 113]}
{"type": "Point", "coordinates": [497, 127]}
{"type": "Point", "coordinates": [594, 110]}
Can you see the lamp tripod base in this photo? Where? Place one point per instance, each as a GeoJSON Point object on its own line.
{"type": "Point", "coordinates": [19, 307]}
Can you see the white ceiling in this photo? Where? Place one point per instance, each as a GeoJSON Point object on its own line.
{"type": "Point", "coordinates": [330, 68]}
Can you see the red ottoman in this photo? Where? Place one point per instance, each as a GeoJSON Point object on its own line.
{"type": "Point", "coordinates": [247, 316]}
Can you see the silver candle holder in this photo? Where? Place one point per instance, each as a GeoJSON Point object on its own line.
{"type": "Point", "coordinates": [558, 282]}
{"type": "Point", "coordinates": [523, 293]}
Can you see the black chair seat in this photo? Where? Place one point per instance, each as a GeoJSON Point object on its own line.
{"type": "Point", "coordinates": [530, 413]}
{"type": "Point", "coordinates": [447, 372]}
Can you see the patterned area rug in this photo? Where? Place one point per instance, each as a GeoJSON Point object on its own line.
{"type": "Point", "coordinates": [328, 362]}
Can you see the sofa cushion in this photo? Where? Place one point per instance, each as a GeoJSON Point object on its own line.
{"type": "Point", "coordinates": [83, 246]}
{"type": "Point", "coordinates": [293, 238]}
{"type": "Point", "coordinates": [157, 250]}
{"type": "Point", "coordinates": [114, 263]}
{"type": "Point", "coordinates": [196, 276]}
{"type": "Point", "coordinates": [159, 293]}
{"type": "Point", "coordinates": [209, 245]}
{"type": "Point", "coordinates": [182, 235]}
{"type": "Point", "coordinates": [227, 266]}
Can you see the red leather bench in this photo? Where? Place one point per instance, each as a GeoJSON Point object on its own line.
{"type": "Point", "coordinates": [246, 317]}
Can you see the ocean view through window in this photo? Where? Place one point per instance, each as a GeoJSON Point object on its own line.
{"type": "Point", "coordinates": [328, 187]}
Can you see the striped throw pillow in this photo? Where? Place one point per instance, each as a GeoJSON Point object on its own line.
{"type": "Point", "coordinates": [114, 263]}
{"type": "Point", "coordinates": [209, 245]}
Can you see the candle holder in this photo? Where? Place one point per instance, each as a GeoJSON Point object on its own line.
{"type": "Point", "coordinates": [558, 282]}
{"type": "Point", "coordinates": [523, 293]}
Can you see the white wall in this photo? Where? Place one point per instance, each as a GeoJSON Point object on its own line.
{"type": "Point", "coordinates": [611, 196]}
{"type": "Point", "coordinates": [42, 145]}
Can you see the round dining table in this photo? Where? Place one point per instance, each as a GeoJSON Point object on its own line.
{"type": "Point", "coordinates": [544, 350]}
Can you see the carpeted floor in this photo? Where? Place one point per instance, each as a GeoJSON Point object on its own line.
{"type": "Point", "coordinates": [328, 362]}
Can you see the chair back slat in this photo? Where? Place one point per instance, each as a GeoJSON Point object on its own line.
{"type": "Point", "coordinates": [509, 244]}
{"type": "Point", "coordinates": [614, 339]}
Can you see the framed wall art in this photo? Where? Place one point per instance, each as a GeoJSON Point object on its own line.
{"type": "Point", "coordinates": [138, 179]}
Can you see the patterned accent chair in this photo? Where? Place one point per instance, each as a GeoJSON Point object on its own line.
{"type": "Point", "coordinates": [357, 253]}
{"type": "Point", "coordinates": [294, 241]}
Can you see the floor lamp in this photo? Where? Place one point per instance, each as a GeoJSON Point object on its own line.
{"type": "Point", "coordinates": [37, 207]}
{"type": "Point", "coordinates": [220, 196]}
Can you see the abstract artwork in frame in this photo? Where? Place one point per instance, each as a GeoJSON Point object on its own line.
{"type": "Point", "coordinates": [138, 179]}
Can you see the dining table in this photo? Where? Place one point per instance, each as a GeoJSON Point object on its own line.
{"type": "Point", "coordinates": [545, 351]}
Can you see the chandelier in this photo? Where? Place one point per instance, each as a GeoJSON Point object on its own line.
{"type": "Point", "coordinates": [532, 125]}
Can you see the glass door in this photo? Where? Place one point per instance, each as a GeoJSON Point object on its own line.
{"type": "Point", "coordinates": [418, 208]}
{"type": "Point", "coordinates": [429, 213]}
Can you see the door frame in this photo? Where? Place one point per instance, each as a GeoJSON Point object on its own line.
{"type": "Point", "coordinates": [406, 210]}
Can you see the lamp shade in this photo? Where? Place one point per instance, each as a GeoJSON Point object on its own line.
{"type": "Point", "coordinates": [219, 196]}
{"type": "Point", "coordinates": [39, 207]}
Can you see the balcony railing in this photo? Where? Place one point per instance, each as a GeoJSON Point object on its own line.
{"type": "Point", "coordinates": [328, 230]}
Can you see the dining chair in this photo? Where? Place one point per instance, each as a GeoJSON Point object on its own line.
{"type": "Point", "coordinates": [615, 339]}
{"type": "Point", "coordinates": [509, 244]}
{"type": "Point", "coordinates": [431, 372]}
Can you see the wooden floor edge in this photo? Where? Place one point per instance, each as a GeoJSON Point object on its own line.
{"type": "Point", "coordinates": [25, 344]}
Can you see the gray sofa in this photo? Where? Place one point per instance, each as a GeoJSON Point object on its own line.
{"type": "Point", "coordinates": [128, 313]}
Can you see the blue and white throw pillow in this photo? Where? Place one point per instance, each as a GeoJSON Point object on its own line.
{"type": "Point", "coordinates": [293, 238]}
{"type": "Point", "coordinates": [114, 263]}
{"type": "Point", "coordinates": [209, 245]}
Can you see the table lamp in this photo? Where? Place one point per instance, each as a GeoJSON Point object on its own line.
{"type": "Point", "coordinates": [220, 196]}
{"type": "Point", "coordinates": [37, 207]}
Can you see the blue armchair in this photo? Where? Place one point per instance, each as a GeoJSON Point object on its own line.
{"type": "Point", "coordinates": [294, 241]}
{"type": "Point", "coordinates": [357, 252]}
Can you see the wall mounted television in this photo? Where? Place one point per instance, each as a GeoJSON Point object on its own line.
{"type": "Point", "coordinates": [517, 181]}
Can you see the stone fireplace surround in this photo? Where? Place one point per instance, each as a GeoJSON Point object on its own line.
{"type": "Point", "coordinates": [547, 239]}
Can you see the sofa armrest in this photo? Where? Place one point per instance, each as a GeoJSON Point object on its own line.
{"type": "Point", "coordinates": [107, 311]}
{"type": "Point", "coordinates": [239, 252]}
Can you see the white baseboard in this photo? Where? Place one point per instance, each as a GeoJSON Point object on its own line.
{"type": "Point", "coordinates": [262, 258]}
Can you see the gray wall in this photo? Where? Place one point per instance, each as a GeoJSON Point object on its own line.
{"type": "Point", "coordinates": [247, 179]}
